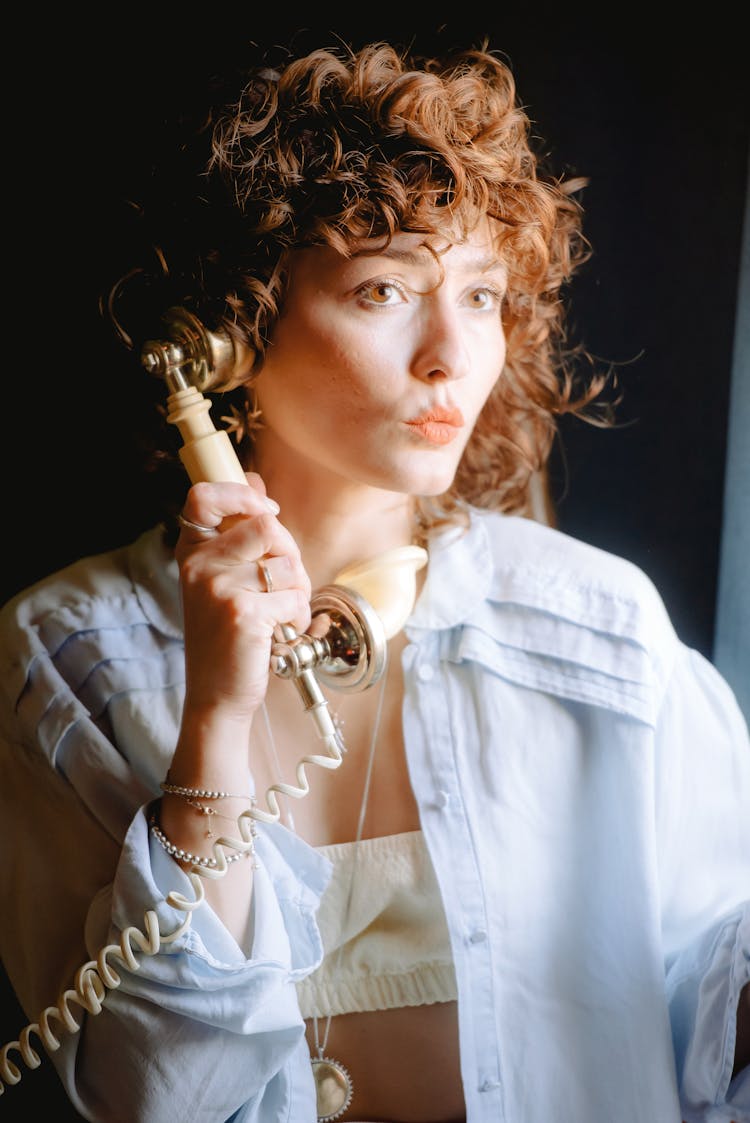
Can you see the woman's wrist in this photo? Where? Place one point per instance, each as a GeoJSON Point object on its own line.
{"type": "Point", "coordinates": [188, 822]}
{"type": "Point", "coordinates": [209, 784]}
{"type": "Point", "coordinates": [212, 751]}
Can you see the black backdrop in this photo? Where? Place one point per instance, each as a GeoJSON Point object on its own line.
{"type": "Point", "coordinates": [659, 121]}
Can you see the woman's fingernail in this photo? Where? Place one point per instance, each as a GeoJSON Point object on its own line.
{"type": "Point", "coordinates": [272, 505]}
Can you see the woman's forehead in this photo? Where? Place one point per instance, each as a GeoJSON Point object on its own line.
{"type": "Point", "coordinates": [437, 256]}
{"type": "Point", "coordinates": [479, 248]}
{"type": "Point", "coordinates": [451, 235]}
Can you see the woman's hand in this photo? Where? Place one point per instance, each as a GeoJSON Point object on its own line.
{"type": "Point", "coordinates": [229, 611]}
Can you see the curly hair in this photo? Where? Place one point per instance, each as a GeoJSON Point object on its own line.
{"type": "Point", "coordinates": [343, 145]}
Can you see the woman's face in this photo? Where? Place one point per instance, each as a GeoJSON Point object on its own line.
{"type": "Point", "coordinates": [378, 368]}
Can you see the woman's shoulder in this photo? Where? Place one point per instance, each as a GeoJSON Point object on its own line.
{"type": "Point", "coordinates": [90, 582]}
{"type": "Point", "coordinates": [116, 589]}
{"type": "Point", "coordinates": [550, 567]}
{"type": "Point", "coordinates": [102, 630]}
{"type": "Point", "coordinates": [85, 579]}
{"type": "Point", "coordinates": [510, 559]}
{"type": "Point", "coordinates": [535, 603]}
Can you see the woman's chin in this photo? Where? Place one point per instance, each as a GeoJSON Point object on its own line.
{"type": "Point", "coordinates": [418, 489]}
{"type": "Point", "coordinates": [429, 481]}
{"type": "Point", "coordinates": [435, 483]}
{"type": "Point", "coordinates": [429, 478]}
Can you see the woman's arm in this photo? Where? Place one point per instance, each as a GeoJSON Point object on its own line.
{"type": "Point", "coordinates": [703, 831]}
{"type": "Point", "coordinates": [229, 621]}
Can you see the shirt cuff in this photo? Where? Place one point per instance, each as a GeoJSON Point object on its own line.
{"type": "Point", "coordinates": [703, 987]}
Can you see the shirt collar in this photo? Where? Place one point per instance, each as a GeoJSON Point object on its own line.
{"type": "Point", "coordinates": [154, 573]}
{"type": "Point", "coordinates": [459, 576]}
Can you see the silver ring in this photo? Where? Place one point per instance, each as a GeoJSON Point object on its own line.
{"type": "Point", "coordinates": [210, 530]}
{"type": "Point", "coordinates": [265, 574]}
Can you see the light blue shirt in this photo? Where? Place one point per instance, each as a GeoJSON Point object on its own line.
{"type": "Point", "coordinates": [583, 783]}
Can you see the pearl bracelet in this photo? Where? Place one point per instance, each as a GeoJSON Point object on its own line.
{"type": "Point", "coordinates": [201, 793]}
{"type": "Point", "coordinates": [186, 856]}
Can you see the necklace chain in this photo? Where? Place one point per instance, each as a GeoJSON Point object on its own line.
{"type": "Point", "coordinates": [320, 1046]}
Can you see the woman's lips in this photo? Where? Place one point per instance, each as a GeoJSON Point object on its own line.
{"type": "Point", "coordinates": [438, 426]}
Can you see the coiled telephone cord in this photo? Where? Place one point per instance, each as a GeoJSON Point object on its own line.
{"type": "Point", "coordinates": [94, 979]}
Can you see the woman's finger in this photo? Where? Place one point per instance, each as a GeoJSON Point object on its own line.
{"type": "Point", "coordinates": [208, 505]}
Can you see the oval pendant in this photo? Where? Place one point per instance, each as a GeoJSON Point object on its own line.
{"type": "Point", "coordinates": [333, 1088]}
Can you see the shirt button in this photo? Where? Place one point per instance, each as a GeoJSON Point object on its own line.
{"type": "Point", "coordinates": [478, 936]}
{"type": "Point", "coordinates": [425, 672]}
{"type": "Point", "coordinates": [442, 799]}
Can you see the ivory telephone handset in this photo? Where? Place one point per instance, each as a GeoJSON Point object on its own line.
{"type": "Point", "coordinates": [367, 604]}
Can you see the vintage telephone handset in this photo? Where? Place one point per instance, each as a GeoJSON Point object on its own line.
{"type": "Point", "coordinates": [367, 604]}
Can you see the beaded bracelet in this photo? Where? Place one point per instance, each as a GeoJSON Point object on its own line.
{"type": "Point", "coordinates": [201, 793]}
{"type": "Point", "coordinates": [192, 796]}
{"type": "Point", "coordinates": [186, 856]}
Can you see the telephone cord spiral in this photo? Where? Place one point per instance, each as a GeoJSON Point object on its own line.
{"type": "Point", "coordinates": [98, 976]}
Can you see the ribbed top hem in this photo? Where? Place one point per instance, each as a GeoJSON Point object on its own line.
{"type": "Point", "coordinates": [388, 945]}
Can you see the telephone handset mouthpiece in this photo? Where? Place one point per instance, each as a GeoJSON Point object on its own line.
{"type": "Point", "coordinates": [368, 603]}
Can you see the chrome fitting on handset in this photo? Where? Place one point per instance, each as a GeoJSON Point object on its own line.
{"type": "Point", "coordinates": [191, 355]}
{"type": "Point", "coordinates": [352, 653]}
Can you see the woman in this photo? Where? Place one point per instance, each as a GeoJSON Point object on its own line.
{"type": "Point", "coordinates": [528, 829]}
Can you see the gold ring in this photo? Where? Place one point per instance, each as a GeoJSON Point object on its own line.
{"type": "Point", "coordinates": [210, 530]}
{"type": "Point", "coordinates": [265, 574]}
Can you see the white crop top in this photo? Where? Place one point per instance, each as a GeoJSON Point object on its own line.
{"type": "Point", "coordinates": [395, 950]}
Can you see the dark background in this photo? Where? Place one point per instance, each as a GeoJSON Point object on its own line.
{"type": "Point", "coordinates": [657, 119]}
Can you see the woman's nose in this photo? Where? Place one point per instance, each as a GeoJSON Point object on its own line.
{"type": "Point", "coordinates": [441, 352]}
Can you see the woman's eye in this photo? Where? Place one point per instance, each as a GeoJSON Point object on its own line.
{"type": "Point", "coordinates": [381, 292]}
{"type": "Point", "coordinates": [486, 298]}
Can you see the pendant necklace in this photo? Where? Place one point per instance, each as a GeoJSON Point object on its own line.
{"type": "Point", "coordinates": [334, 1086]}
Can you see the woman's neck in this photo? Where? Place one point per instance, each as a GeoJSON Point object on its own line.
{"type": "Point", "coordinates": [332, 535]}
{"type": "Point", "coordinates": [336, 522]}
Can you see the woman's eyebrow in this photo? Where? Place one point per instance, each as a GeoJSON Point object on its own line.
{"type": "Point", "coordinates": [408, 257]}
{"type": "Point", "coordinates": [484, 265]}
{"type": "Point", "coordinates": [423, 257]}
